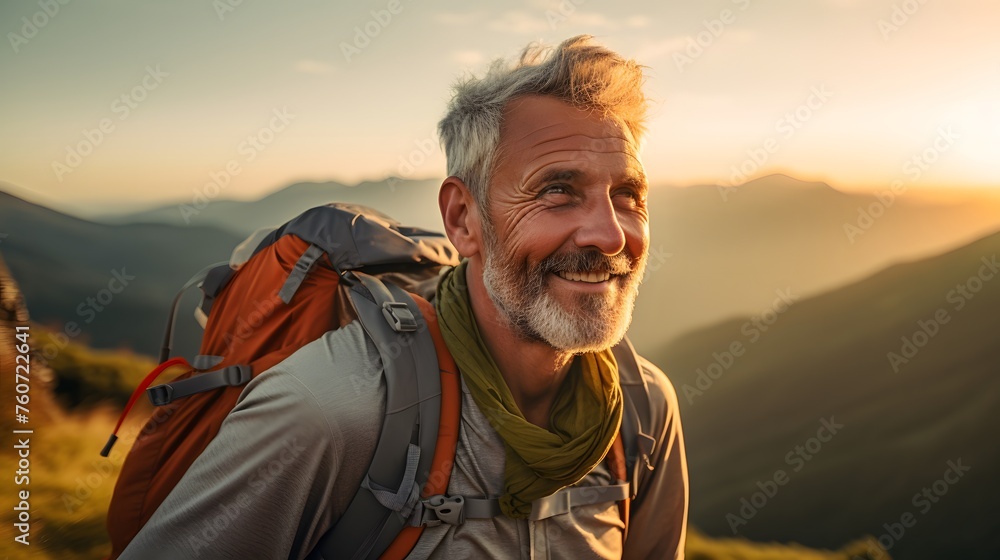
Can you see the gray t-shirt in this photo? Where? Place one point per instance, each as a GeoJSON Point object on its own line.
{"type": "Point", "coordinates": [288, 459]}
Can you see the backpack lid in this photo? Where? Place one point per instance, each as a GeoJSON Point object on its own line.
{"type": "Point", "coordinates": [356, 236]}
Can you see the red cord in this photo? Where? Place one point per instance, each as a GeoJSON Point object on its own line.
{"type": "Point", "coordinates": [178, 361]}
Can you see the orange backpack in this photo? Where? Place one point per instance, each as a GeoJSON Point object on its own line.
{"type": "Point", "coordinates": [284, 288]}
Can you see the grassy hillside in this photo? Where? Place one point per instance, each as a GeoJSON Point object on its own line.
{"type": "Point", "coordinates": [69, 484]}
{"type": "Point", "coordinates": [700, 547]}
{"type": "Point", "coordinates": [72, 415]}
{"type": "Point", "coordinates": [908, 413]}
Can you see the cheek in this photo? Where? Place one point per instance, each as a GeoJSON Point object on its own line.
{"type": "Point", "coordinates": [536, 236]}
{"type": "Point", "coordinates": [636, 235]}
{"type": "Point", "coordinates": [535, 244]}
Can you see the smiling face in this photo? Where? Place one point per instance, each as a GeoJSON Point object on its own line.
{"type": "Point", "coordinates": [566, 233]}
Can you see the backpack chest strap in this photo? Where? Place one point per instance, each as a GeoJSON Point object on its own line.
{"type": "Point", "coordinates": [567, 498]}
{"type": "Point", "coordinates": [454, 510]}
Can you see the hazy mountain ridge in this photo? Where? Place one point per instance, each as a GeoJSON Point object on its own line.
{"type": "Point", "coordinates": [113, 282]}
{"type": "Point", "coordinates": [731, 249]}
{"type": "Point", "coordinates": [395, 197]}
{"type": "Point", "coordinates": [716, 251]}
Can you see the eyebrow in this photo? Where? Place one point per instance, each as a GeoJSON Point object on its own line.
{"type": "Point", "coordinates": [557, 175]}
{"type": "Point", "coordinates": [636, 178]}
{"type": "Point", "coordinates": [633, 177]}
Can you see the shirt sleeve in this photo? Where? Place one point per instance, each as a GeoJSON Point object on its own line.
{"type": "Point", "coordinates": [266, 486]}
{"type": "Point", "coordinates": [658, 523]}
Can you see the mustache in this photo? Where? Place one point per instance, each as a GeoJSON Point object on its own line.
{"type": "Point", "coordinates": [589, 261]}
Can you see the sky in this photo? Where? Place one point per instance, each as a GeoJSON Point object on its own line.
{"type": "Point", "coordinates": [119, 103]}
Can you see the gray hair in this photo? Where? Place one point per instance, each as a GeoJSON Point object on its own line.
{"type": "Point", "coordinates": [578, 71]}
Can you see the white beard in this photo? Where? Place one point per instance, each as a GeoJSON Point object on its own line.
{"type": "Point", "coordinates": [595, 322]}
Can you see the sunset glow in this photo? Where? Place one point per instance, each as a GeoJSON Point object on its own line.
{"type": "Point", "coordinates": [181, 91]}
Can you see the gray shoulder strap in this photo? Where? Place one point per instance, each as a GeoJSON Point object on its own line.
{"type": "Point", "coordinates": [199, 278]}
{"type": "Point", "coordinates": [637, 420]}
{"type": "Point", "coordinates": [405, 449]}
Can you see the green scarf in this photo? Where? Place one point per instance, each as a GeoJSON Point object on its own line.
{"type": "Point", "coordinates": [584, 420]}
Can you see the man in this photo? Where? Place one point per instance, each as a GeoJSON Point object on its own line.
{"type": "Point", "coordinates": [546, 202]}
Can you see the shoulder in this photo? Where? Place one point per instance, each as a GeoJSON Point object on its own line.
{"type": "Point", "coordinates": [661, 418]}
{"type": "Point", "coordinates": [658, 529]}
{"type": "Point", "coordinates": [661, 390]}
{"type": "Point", "coordinates": [331, 386]}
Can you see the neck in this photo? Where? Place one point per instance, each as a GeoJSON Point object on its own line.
{"type": "Point", "coordinates": [533, 370]}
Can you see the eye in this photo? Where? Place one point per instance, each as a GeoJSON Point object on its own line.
{"type": "Point", "coordinates": [558, 188]}
{"type": "Point", "coordinates": [634, 196]}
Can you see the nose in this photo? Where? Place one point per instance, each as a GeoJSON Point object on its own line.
{"type": "Point", "coordinates": [599, 228]}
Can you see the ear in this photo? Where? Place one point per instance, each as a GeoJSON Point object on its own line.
{"type": "Point", "coordinates": [461, 216]}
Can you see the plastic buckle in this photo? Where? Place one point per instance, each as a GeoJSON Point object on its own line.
{"type": "Point", "coordinates": [446, 509]}
{"type": "Point", "coordinates": [238, 375]}
{"type": "Point", "coordinates": [161, 394]}
{"type": "Point", "coordinates": [303, 265]}
{"type": "Point", "coordinates": [399, 316]}
{"type": "Point", "coordinates": [646, 445]}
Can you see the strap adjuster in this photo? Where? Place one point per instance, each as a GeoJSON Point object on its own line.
{"type": "Point", "coordinates": [440, 509]}
{"type": "Point", "coordinates": [231, 376]}
{"type": "Point", "coordinates": [399, 316]}
{"type": "Point", "coordinates": [161, 394]}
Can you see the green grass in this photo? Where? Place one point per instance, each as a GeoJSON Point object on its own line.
{"type": "Point", "coordinates": [700, 547]}
{"type": "Point", "coordinates": [70, 488]}
{"type": "Point", "coordinates": [86, 377]}
{"type": "Point", "coordinates": [74, 406]}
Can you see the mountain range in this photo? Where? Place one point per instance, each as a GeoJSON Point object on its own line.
{"type": "Point", "coordinates": [107, 285]}
{"type": "Point", "coordinates": [875, 401]}
{"type": "Point", "coordinates": [715, 252]}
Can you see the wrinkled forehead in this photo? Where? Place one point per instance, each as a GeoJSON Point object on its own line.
{"type": "Point", "coordinates": [535, 126]}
